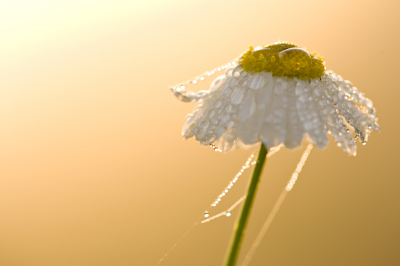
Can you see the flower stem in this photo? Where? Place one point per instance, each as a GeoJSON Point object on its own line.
{"type": "Point", "coordinates": [240, 226]}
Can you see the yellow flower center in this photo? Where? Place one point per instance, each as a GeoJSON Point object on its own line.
{"type": "Point", "coordinates": [284, 59]}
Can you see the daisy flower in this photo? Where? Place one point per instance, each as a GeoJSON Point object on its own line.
{"type": "Point", "coordinates": [277, 94]}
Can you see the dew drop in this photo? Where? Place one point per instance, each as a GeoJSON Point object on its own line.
{"type": "Point", "coordinates": [206, 214]}
{"type": "Point", "coordinates": [364, 142]}
{"type": "Point", "coordinates": [228, 214]}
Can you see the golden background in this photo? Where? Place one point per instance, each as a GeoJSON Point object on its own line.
{"type": "Point", "coordinates": [93, 168]}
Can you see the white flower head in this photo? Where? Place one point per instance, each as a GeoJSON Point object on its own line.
{"type": "Point", "coordinates": [277, 95]}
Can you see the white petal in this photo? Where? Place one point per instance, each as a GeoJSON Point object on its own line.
{"type": "Point", "coordinates": [294, 126]}
{"type": "Point", "coordinates": [264, 94]}
{"type": "Point", "coordinates": [308, 114]}
{"type": "Point", "coordinates": [331, 119]}
{"type": "Point", "coordinates": [248, 107]}
{"type": "Point", "coordinates": [256, 81]}
{"type": "Point", "coordinates": [219, 131]}
{"type": "Point", "coordinates": [273, 131]}
{"type": "Point", "coordinates": [237, 95]}
{"type": "Point", "coordinates": [217, 83]}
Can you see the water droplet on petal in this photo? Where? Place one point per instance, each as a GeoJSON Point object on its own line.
{"type": "Point", "coordinates": [237, 96]}
{"type": "Point", "coordinates": [256, 81]}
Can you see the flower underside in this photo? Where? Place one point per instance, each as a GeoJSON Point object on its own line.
{"type": "Point", "coordinates": [277, 95]}
{"type": "Point", "coordinates": [283, 59]}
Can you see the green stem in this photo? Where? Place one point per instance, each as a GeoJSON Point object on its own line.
{"type": "Point", "coordinates": [240, 226]}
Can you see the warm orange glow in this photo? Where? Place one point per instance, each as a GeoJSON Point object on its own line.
{"type": "Point", "coordinates": [94, 171]}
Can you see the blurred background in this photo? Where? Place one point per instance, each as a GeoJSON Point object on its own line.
{"type": "Point", "coordinates": [93, 168]}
